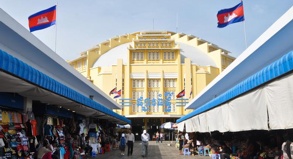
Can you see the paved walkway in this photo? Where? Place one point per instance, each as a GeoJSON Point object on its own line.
{"type": "Point", "coordinates": [156, 151]}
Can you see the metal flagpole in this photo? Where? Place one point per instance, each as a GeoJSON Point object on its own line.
{"type": "Point", "coordinates": [244, 27]}
{"type": "Point", "coordinates": [56, 29]}
{"type": "Point", "coordinates": [153, 24]}
{"type": "Point", "coordinates": [177, 23]}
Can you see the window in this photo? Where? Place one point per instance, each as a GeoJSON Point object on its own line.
{"type": "Point", "coordinates": [169, 55]}
{"type": "Point", "coordinates": [138, 83]}
{"type": "Point", "coordinates": [173, 107]}
{"type": "Point", "coordinates": [137, 94]}
{"type": "Point", "coordinates": [153, 55]}
{"type": "Point", "coordinates": [137, 56]}
{"type": "Point", "coordinates": [169, 94]}
{"type": "Point", "coordinates": [170, 83]}
{"type": "Point", "coordinates": [134, 108]}
{"type": "Point", "coordinates": [153, 96]}
{"type": "Point", "coordinates": [154, 83]}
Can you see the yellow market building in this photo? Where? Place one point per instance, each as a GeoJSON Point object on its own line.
{"type": "Point", "coordinates": [151, 68]}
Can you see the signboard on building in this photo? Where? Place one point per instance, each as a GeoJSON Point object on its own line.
{"type": "Point", "coordinates": [146, 103]}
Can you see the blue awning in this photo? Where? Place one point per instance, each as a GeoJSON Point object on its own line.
{"type": "Point", "coordinates": [17, 68]}
{"type": "Point", "coordinates": [271, 72]}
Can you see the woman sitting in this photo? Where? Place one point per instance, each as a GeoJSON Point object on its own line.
{"type": "Point", "coordinates": [45, 152]}
{"type": "Point", "coordinates": [187, 144]}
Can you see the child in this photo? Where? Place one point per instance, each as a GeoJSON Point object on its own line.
{"type": "Point", "coordinates": [122, 144]}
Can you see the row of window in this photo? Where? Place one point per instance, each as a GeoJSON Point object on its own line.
{"type": "Point", "coordinates": [153, 95]}
{"type": "Point", "coordinates": [139, 56]}
{"type": "Point", "coordinates": [153, 83]}
{"type": "Point", "coordinates": [153, 44]}
{"type": "Point", "coordinates": [153, 109]}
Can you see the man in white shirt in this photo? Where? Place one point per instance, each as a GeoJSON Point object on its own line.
{"type": "Point", "coordinates": [161, 137]}
{"type": "Point", "coordinates": [186, 136]}
{"type": "Point", "coordinates": [145, 137]}
{"type": "Point", "coordinates": [130, 140]}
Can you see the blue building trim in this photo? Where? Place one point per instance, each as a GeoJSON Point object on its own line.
{"type": "Point", "coordinates": [22, 70]}
{"type": "Point", "coordinates": [271, 72]}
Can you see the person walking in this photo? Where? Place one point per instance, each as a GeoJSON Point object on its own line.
{"type": "Point", "coordinates": [122, 144]}
{"type": "Point", "coordinates": [145, 137]}
{"type": "Point", "coordinates": [161, 137]}
{"type": "Point", "coordinates": [130, 140]}
{"type": "Point", "coordinates": [157, 137]}
{"type": "Point", "coordinates": [181, 140]}
{"type": "Point", "coordinates": [287, 148]}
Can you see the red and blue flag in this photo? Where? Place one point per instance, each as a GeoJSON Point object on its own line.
{"type": "Point", "coordinates": [114, 90]}
{"type": "Point", "coordinates": [181, 94]}
{"type": "Point", "coordinates": [230, 15]}
{"type": "Point", "coordinates": [42, 19]}
{"type": "Point", "coordinates": [118, 94]}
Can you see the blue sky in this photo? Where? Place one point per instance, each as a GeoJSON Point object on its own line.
{"type": "Point", "coordinates": [84, 24]}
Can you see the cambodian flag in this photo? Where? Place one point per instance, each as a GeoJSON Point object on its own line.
{"type": "Point", "coordinates": [42, 19]}
{"type": "Point", "coordinates": [231, 15]}
{"type": "Point", "coordinates": [114, 90]}
{"type": "Point", "coordinates": [181, 94]}
{"type": "Point", "coordinates": [118, 94]}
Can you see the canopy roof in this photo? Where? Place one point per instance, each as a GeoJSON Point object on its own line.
{"type": "Point", "coordinates": [277, 69]}
{"type": "Point", "coordinates": [269, 47]}
{"type": "Point", "coordinates": [247, 85]}
{"type": "Point", "coordinates": [30, 68]}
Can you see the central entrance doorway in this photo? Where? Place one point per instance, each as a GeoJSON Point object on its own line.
{"type": "Point", "coordinates": [152, 125]}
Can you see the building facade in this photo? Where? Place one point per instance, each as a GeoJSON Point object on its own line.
{"type": "Point", "coordinates": [148, 70]}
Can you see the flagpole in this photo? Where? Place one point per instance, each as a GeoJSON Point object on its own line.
{"type": "Point", "coordinates": [244, 27]}
{"type": "Point", "coordinates": [177, 23]}
{"type": "Point", "coordinates": [56, 29]}
{"type": "Point", "coordinates": [153, 24]}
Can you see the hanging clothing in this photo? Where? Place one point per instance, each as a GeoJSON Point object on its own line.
{"type": "Point", "coordinates": [34, 127]}
{"type": "Point", "coordinates": [48, 130]}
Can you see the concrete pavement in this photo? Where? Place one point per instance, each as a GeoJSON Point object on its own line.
{"type": "Point", "coordinates": [155, 151]}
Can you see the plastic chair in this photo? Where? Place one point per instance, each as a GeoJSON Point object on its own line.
{"type": "Point", "coordinates": [216, 156]}
{"type": "Point", "coordinates": [206, 151]}
{"type": "Point", "coordinates": [186, 151]}
{"type": "Point", "coordinates": [200, 150]}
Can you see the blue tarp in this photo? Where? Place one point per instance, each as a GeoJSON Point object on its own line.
{"type": "Point", "coordinates": [21, 70]}
{"type": "Point", "coordinates": [11, 100]}
{"type": "Point", "coordinates": [43, 109]}
{"type": "Point", "coordinates": [271, 72]}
